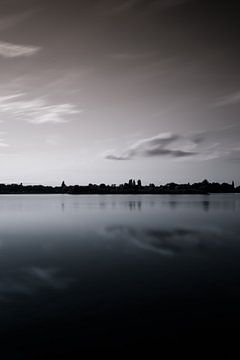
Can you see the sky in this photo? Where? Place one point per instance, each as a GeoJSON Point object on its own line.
{"type": "Point", "coordinates": [98, 91]}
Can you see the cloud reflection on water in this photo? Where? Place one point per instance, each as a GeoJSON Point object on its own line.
{"type": "Point", "coordinates": [168, 242]}
{"type": "Point", "coordinates": [32, 280]}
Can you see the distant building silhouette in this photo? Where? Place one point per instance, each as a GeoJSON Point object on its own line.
{"type": "Point", "coordinates": [131, 187]}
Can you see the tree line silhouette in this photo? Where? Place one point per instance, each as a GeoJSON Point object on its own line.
{"type": "Point", "coordinates": [130, 187]}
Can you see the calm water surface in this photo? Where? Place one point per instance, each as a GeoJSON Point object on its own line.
{"type": "Point", "coordinates": [117, 272]}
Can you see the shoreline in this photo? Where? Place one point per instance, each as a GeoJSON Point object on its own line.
{"type": "Point", "coordinates": [120, 193]}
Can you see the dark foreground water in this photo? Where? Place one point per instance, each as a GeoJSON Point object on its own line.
{"type": "Point", "coordinates": [116, 272]}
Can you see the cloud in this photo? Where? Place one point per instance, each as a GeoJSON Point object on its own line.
{"type": "Point", "coordinates": [8, 50]}
{"type": "Point", "coordinates": [220, 143]}
{"type": "Point", "coordinates": [36, 111]}
{"type": "Point", "coordinates": [230, 99]}
{"type": "Point", "coordinates": [233, 154]}
{"type": "Point", "coordinates": [125, 5]}
{"type": "Point", "coordinates": [9, 21]}
{"type": "Point", "coordinates": [169, 3]}
{"type": "Point", "coordinates": [3, 143]}
{"type": "Point", "coordinates": [131, 56]}
{"type": "Point", "coordinates": [159, 145]}
{"type": "Point", "coordinates": [143, 5]}
{"type": "Point", "coordinates": [203, 146]}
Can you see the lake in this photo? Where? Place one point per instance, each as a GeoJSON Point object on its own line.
{"type": "Point", "coordinates": [103, 273]}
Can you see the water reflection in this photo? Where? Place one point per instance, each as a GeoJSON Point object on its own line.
{"type": "Point", "coordinates": [169, 242]}
{"type": "Point", "coordinates": [206, 205]}
{"type": "Point", "coordinates": [115, 269]}
{"type": "Point", "coordinates": [225, 202]}
{"type": "Point", "coordinates": [32, 280]}
{"type": "Point", "coordinates": [134, 205]}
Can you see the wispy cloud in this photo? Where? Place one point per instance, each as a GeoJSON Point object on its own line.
{"type": "Point", "coordinates": [3, 143]}
{"type": "Point", "coordinates": [36, 111]}
{"type": "Point", "coordinates": [128, 5]}
{"type": "Point", "coordinates": [230, 99]}
{"type": "Point", "coordinates": [125, 5]}
{"type": "Point", "coordinates": [9, 50]}
{"type": "Point", "coordinates": [201, 146]}
{"type": "Point", "coordinates": [169, 3]}
{"type": "Point", "coordinates": [9, 21]}
{"type": "Point", "coordinates": [160, 145]}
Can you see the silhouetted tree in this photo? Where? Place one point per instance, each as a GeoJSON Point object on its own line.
{"type": "Point", "coordinates": [203, 187]}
